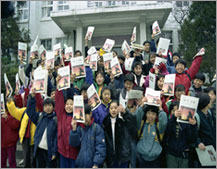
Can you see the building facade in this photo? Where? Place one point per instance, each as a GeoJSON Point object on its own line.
{"type": "Point", "coordinates": [67, 21]}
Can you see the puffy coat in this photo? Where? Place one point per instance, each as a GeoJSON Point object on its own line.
{"type": "Point", "coordinates": [182, 78]}
{"type": "Point", "coordinates": [100, 113]}
{"type": "Point", "coordinates": [91, 140]}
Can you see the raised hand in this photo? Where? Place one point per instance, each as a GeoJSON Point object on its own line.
{"type": "Point", "coordinates": [74, 124]}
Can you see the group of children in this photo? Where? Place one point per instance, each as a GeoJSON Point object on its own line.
{"type": "Point", "coordinates": [113, 135]}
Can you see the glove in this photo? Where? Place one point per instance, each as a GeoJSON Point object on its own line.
{"type": "Point", "coordinates": [152, 70]}
{"type": "Point", "coordinates": [162, 67]}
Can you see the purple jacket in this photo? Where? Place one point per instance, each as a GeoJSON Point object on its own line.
{"type": "Point", "coordinates": [100, 113]}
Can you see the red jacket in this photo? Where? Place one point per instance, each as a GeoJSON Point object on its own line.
{"type": "Point", "coordinates": [182, 78]}
{"type": "Point", "coordinates": [63, 128]}
{"type": "Point", "coordinates": [9, 131]}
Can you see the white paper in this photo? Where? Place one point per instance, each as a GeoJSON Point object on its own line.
{"type": "Point", "coordinates": [8, 85]}
{"type": "Point", "coordinates": [22, 51]}
{"type": "Point", "coordinates": [135, 94]}
{"type": "Point", "coordinates": [159, 60]}
{"type": "Point", "coordinates": [188, 106]}
{"type": "Point", "coordinates": [201, 52]}
{"type": "Point", "coordinates": [57, 50]}
{"type": "Point", "coordinates": [122, 101]}
{"type": "Point", "coordinates": [93, 62]}
{"type": "Point", "coordinates": [115, 67]}
{"type": "Point", "coordinates": [207, 157]}
{"type": "Point", "coordinates": [64, 82]}
{"type": "Point", "coordinates": [2, 104]}
{"type": "Point", "coordinates": [42, 52]}
{"type": "Point", "coordinates": [108, 45]}
{"type": "Point", "coordinates": [128, 64]}
{"type": "Point", "coordinates": [68, 53]}
{"type": "Point", "coordinates": [133, 37]}
{"type": "Point", "coordinates": [107, 57]}
{"type": "Point", "coordinates": [92, 50]}
{"type": "Point", "coordinates": [152, 80]}
{"type": "Point", "coordinates": [93, 97]}
{"type": "Point", "coordinates": [152, 96]}
{"type": "Point", "coordinates": [156, 29]}
{"type": "Point", "coordinates": [89, 33]}
{"type": "Point", "coordinates": [78, 109]}
{"type": "Point", "coordinates": [50, 59]}
{"type": "Point", "coordinates": [169, 85]}
{"type": "Point", "coordinates": [18, 84]}
{"type": "Point", "coordinates": [78, 68]}
{"type": "Point", "coordinates": [40, 80]}
{"type": "Point", "coordinates": [163, 46]}
{"type": "Point", "coordinates": [125, 47]}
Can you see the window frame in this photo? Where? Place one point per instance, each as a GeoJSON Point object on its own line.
{"type": "Point", "coordinates": [46, 6]}
{"type": "Point", "coordinates": [63, 4]}
{"type": "Point", "coordinates": [46, 43]}
{"type": "Point", "coordinates": [22, 8]}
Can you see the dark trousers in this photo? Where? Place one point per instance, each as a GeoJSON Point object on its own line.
{"type": "Point", "coordinates": [141, 163]}
{"type": "Point", "coordinates": [66, 162]}
{"type": "Point", "coordinates": [10, 154]}
{"type": "Point", "coordinates": [42, 160]}
{"type": "Point", "coordinates": [122, 165]}
{"type": "Point", "coordinates": [29, 161]}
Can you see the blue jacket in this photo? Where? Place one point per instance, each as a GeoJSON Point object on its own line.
{"type": "Point", "coordinates": [91, 140]}
{"type": "Point", "coordinates": [47, 121]}
{"type": "Point", "coordinates": [100, 113]}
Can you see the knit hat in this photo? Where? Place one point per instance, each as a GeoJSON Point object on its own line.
{"type": "Point", "coordinates": [204, 100]}
{"type": "Point", "coordinates": [180, 61]}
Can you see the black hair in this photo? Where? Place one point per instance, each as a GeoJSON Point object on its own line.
{"type": "Point", "coordinates": [137, 63]}
{"type": "Point", "coordinates": [176, 54]}
{"type": "Point", "coordinates": [158, 78]}
{"type": "Point", "coordinates": [152, 109]}
{"type": "Point", "coordinates": [100, 72]}
{"type": "Point", "coordinates": [68, 98]}
{"type": "Point", "coordinates": [87, 109]}
{"type": "Point", "coordinates": [78, 51]}
{"type": "Point", "coordinates": [129, 77]}
{"type": "Point", "coordinates": [63, 51]}
{"type": "Point", "coordinates": [38, 62]}
{"type": "Point", "coordinates": [200, 76]}
{"type": "Point", "coordinates": [53, 89]}
{"type": "Point", "coordinates": [172, 105]}
{"type": "Point", "coordinates": [84, 86]}
{"type": "Point", "coordinates": [146, 42]}
{"type": "Point", "coordinates": [131, 53]}
{"type": "Point", "coordinates": [106, 88]}
{"type": "Point", "coordinates": [180, 61]}
{"type": "Point", "coordinates": [48, 101]}
{"type": "Point", "coordinates": [57, 62]}
{"type": "Point", "coordinates": [157, 41]}
{"type": "Point", "coordinates": [180, 87]}
{"type": "Point", "coordinates": [115, 52]}
{"type": "Point", "coordinates": [208, 89]}
{"type": "Point", "coordinates": [121, 57]}
{"type": "Point", "coordinates": [204, 100]}
{"type": "Point", "coordinates": [115, 101]}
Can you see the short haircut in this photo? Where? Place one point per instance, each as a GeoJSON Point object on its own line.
{"type": "Point", "coordinates": [48, 101]}
{"type": "Point", "coordinates": [204, 100]}
{"type": "Point", "coordinates": [85, 86]}
{"type": "Point", "coordinates": [106, 88]}
{"type": "Point", "coordinates": [151, 108]}
{"type": "Point", "coordinates": [146, 42]}
{"type": "Point", "coordinates": [78, 51]}
{"type": "Point", "coordinates": [176, 54]}
{"type": "Point", "coordinates": [180, 61]}
{"type": "Point", "coordinates": [208, 89]}
{"type": "Point", "coordinates": [129, 77]}
{"type": "Point", "coordinates": [172, 105]}
{"type": "Point", "coordinates": [200, 76]}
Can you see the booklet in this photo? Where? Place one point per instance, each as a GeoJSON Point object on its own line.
{"type": "Point", "coordinates": [40, 80]}
{"type": "Point", "coordinates": [57, 50]}
{"type": "Point", "coordinates": [152, 80]}
{"type": "Point", "coordinates": [122, 101]}
{"type": "Point", "coordinates": [42, 52]}
{"type": "Point", "coordinates": [108, 45]}
{"type": "Point", "coordinates": [156, 29]}
{"type": "Point", "coordinates": [128, 64]}
{"type": "Point", "coordinates": [207, 157]}
{"type": "Point", "coordinates": [163, 46]}
{"type": "Point", "coordinates": [93, 62]}
{"type": "Point", "coordinates": [137, 46]}
{"type": "Point", "coordinates": [201, 52]}
{"type": "Point", "coordinates": [159, 60]}
{"type": "Point", "coordinates": [78, 109]}
{"type": "Point", "coordinates": [78, 68]}
{"type": "Point", "coordinates": [188, 106]}
{"type": "Point", "coordinates": [64, 82]}
{"type": "Point", "coordinates": [125, 47]}
{"type": "Point", "coordinates": [68, 53]}
{"type": "Point", "coordinates": [135, 94]}
{"type": "Point", "coordinates": [115, 67]}
{"type": "Point", "coordinates": [2, 104]}
{"type": "Point", "coordinates": [22, 52]}
{"type": "Point", "coordinates": [34, 52]}
{"type": "Point", "coordinates": [93, 97]}
{"type": "Point", "coordinates": [169, 85]}
{"type": "Point", "coordinates": [9, 89]}
{"type": "Point", "coordinates": [107, 57]}
{"type": "Point", "coordinates": [50, 60]}
{"type": "Point", "coordinates": [92, 50]}
{"type": "Point", "coordinates": [133, 37]}
{"type": "Point", "coordinates": [18, 84]}
{"type": "Point", "coordinates": [152, 96]}
{"type": "Point", "coordinates": [89, 33]}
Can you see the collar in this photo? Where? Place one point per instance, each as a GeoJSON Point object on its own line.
{"type": "Point", "coordinates": [84, 126]}
{"type": "Point", "coordinates": [149, 122]}
{"type": "Point", "coordinates": [106, 104]}
{"type": "Point", "coordinates": [69, 114]}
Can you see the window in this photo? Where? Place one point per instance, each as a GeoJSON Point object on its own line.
{"type": "Point", "coordinates": [62, 40]}
{"type": "Point", "coordinates": [98, 4]}
{"type": "Point", "coordinates": [182, 3]}
{"type": "Point", "coordinates": [22, 7]}
{"type": "Point", "coordinates": [111, 3]}
{"type": "Point", "coordinates": [125, 2]}
{"type": "Point", "coordinates": [63, 5]}
{"type": "Point", "coordinates": [47, 43]}
{"type": "Point", "coordinates": [90, 4]}
{"type": "Point", "coordinates": [47, 7]}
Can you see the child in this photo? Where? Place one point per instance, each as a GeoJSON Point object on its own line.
{"type": "Point", "coordinates": [171, 68]}
{"type": "Point", "coordinates": [89, 136]}
{"type": "Point", "coordinates": [146, 67]}
{"type": "Point", "coordinates": [150, 135]}
{"type": "Point", "coordinates": [99, 82]}
{"type": "Point", "coordinates": [100, 112]}
{"type": "Point", "coordinates": [172, 108]}
{"type": "Point", "coordinates": [45, 147]}
{"type": "Point", "coordinates": [9, 137]}
{"type": "Point", "coordinates": [212, 94]}
{"type": "Point", "coordinates": [178, 139]}
{"type": "Point", "coordinates": [197, 86]}
{"type": "Point", "coordinates": [84, 88]}
{"type": "Point", "coordinates": [117, 138]}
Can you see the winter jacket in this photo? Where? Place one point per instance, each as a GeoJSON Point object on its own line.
{"type": "Point", "coordinates": [193, 91]}
{"type": "Point", "coordinates": [122, 152]}
{"type": "Point", "coordinates": [9, 131]}
{"type": "Point", "coordinates": [21, 115]}
{"type": "Point", "coordinates": [207, 129]}
{"type": "Point", "coordinates": [64, 126]}
{"type": "Point", "coordinates": [91, 140]}
{"type": "Point", "coordinates": [179, 136]}
{"type": "Point", "coordinates": [148, 145]}
{"type": "Point", "coordinates": [47, 121]}
{"type": "Point", "coordinates": [171, 69]}
{"type": "Point", "coordinates": [182, 78]}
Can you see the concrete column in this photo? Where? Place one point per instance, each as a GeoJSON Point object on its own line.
{"type": "Point", "coordinates": [79, 39]}
{"type": "Point", "coordinates": [143, 36]}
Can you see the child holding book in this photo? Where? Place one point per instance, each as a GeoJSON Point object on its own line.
{"type": "Point", "coordinates": [99, 82]}
{"type": "Point", "coordinates": [89, 136]}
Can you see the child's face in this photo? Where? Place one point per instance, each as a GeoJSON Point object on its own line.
{"type": "Point", "coordinates": [99, 79]}
{"type": "Point", "coordinates": [179, 93]}
{"type": "Point", "coordinates": [138, 70]}
{"type": "Point", "coordinates": [198, 83]}
{"type": "Point", "coordinates": [106, 96]}
{"type": "Point", "coordinates": [84, 94]}
{"type": "Point", "coordinates": [147, 47]}
{"type": "Point", "coordinates": [160, 82]}
{"type": "Point", "coordinates": [77, 54]}
{"type": "Point", "coordinates": [52, 95]}
{"type": "Point", "coordinates": [174, 109]}
{"type": "Point", "coordinates": [48, 108]}
{"type": "Point", "coordinates": [88, 119]}
{"type": "Point", "coordinates": [180, 68]}
{"type": "Point", "coordinates": [151, 116]}
{"type": "Point", "coordinates": [128, 85]}
{"type": "Point", "coordinates": [121, 61]}
{"type": "Point", "coordinates": [175, 58]}
{"type": "Point", "coordinates": [113, 110]}
{"type": "Point", "coordinates": [212, 96]}
{"type": "Point", "coordinates": [69, 106]}
{"type": "Point", "coordinates": [152, 58]}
